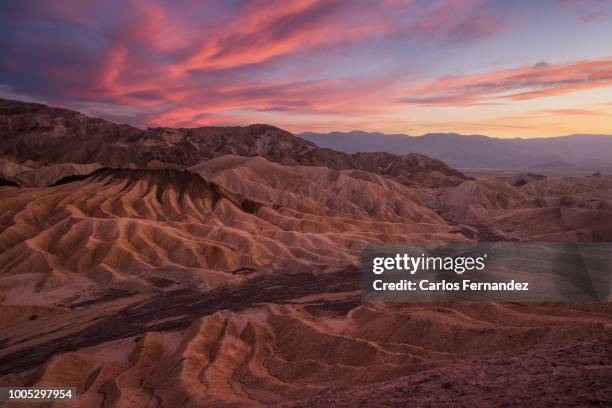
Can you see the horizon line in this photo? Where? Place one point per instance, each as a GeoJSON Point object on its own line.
{"type": "Point", "coordinates": [281, 127]}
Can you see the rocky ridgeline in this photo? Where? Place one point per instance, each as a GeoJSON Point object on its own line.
{"type": "Point", "coordinates": [45, 135]}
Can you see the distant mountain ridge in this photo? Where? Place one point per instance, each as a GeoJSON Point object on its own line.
{"type": "Point", "coordinates": [46, 135]}
{"type": "Point", "coordinates": [589, 152]}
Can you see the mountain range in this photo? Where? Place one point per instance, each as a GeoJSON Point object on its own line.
{"type": "Point", "coordinates": [45, 135]}
{"type": "Point", "coordinates": [564, 154]}
{"type": "Point", "coordinates": [219, 267]}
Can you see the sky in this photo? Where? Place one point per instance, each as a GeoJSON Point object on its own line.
{"type": "Point", "coordinates": [495, 67]}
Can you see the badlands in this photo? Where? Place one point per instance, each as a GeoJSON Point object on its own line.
{"type": "Point", "coordinates": [219, 267]}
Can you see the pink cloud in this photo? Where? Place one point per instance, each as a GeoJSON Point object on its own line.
{"type": "Point", "coordinates": [193, 63]}
{"type": "Point", "coordinates": [515, 84]}
{"type": "Point", "coordinates": [573, 112]}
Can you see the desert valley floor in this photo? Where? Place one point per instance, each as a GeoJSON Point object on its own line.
{"type": "Point", "coordinates": [219, 267]}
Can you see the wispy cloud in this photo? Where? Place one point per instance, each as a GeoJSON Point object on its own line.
{"type": "Point", "coordinates": [149, 55]}
{"type": "Point", "coordinates": [310, 63]}
{"type": "Point", "coordinates": [573, 112]}
{"type": "Point", "coordinates": [524, 83]}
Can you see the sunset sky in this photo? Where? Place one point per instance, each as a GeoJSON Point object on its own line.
{"type": "Point", "coordinates": [502, 68]}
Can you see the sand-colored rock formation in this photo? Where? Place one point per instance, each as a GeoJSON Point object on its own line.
{"type": "Point", "coordinates": [10, 168]}
{"type": "Point", "coordinates": [319, 190]}
{"type": "Point", "coordinates": [42, 176]}
{"type": "Point", "coordinates": [472, 201]}
{"type": "Point", "coordinates": [549, 209]}
{"type": "Point", "coordinates": [130, 228]}
{"type": "Point", "coordinates": [281, 353]}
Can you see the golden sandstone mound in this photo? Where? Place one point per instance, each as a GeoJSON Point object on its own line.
{"type": "Point", "coordinates": [42, 176]}
{"type": "Point", "coordinates": [10, 168]}
{"type": "Point", "coordinates": [539, 209]}
{"type": "Point", "coordinates": [49, 175]}
{"type": "Point", "coordinates": [472, 201]}
{"type": "Point", "coordinates": [319, 190]}
{"type": "Point", "coordinates": [132, 228]}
